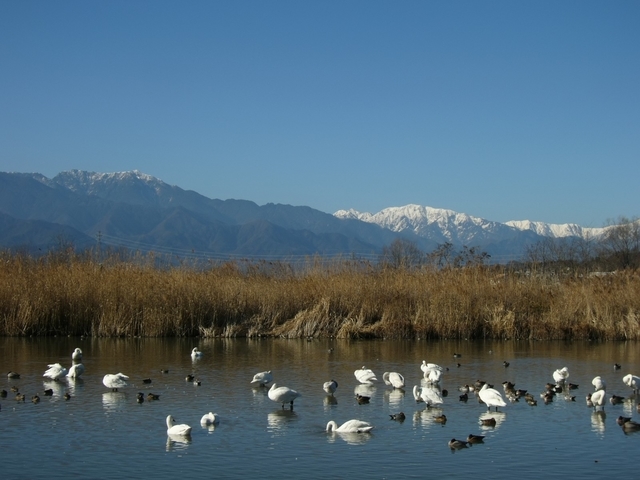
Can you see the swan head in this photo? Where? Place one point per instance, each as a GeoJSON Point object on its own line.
{"type": "Point", "coordinates": [170, 421]}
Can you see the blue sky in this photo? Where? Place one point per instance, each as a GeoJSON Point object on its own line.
{"type": "Point", "coordinates": [500, 109]}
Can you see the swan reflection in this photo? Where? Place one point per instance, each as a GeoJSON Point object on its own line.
{"type": "Point", "coordinates": [394, 397]}
{"type": "Point", "coordinates": [365, 390]}
{"type": "Point", "coordinates": [209, 428]}
{"type": "Point", "coordinates": [597, 422]}
{"type": "Point", "coordinates": [279, 419]}
{"type": "Point", "coordinates": [57, 387]}
{"type": "Point", "coordinates": [629, 407]}
{"type": "Point", "coordinates": [73, 384]}
{"type": "Point", "coordinates": [111, 401]}
{"type": "Point", "coordinates": [486, 422]}
{"type": "Point", "coordinates": [350, 438]}
{"type": "Point", "coordinates": [330, 400]}
{"type": "Point", "coordinates": [177, 442]}
{"type": "Point", "coordinates": [425, 417]}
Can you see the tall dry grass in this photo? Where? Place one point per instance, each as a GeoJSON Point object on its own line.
{"type": "Point", "coordinates": [77, 296]}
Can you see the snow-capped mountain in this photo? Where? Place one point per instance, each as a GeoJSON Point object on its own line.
{"type": "Point", "coordinates": [555, 230]}
{"type": "Point", "coordinates": [142, 212]}
{"type": "Point", "coordinates": [459, 228]}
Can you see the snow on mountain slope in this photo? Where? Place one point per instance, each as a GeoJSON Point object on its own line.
{"type": "Point", "coordinates": [556, 230]}
{"type": "Point", "coordinates": [437, 223]}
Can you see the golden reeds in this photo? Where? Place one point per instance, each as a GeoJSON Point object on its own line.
{"type": "Point", "coordinates": [77, 296]}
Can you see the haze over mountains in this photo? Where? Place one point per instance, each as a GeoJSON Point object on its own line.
{"type": "Point", "coordinates": [141, 212]}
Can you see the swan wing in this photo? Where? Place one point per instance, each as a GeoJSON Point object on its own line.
{"type": "Point", "coordinates": [355, 426]}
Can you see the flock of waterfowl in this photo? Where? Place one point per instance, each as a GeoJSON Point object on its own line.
{"type": "Point", "coordinates": [428, 392]}
{"type": "Point", "coordinates": [431, 394]}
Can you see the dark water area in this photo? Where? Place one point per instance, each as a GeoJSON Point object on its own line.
{"type": "Point", "coordinates": [102, 434]}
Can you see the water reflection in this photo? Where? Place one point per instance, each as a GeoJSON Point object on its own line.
{"type": "Point", "coordinates": [629, 406]}
{"type": "Point", "coordinates": [57, 387]}
{"type": "Point", "coordinates": [597, 422]}
{"type": "Point", "coordinates": [177, 443]}
{"type": "Point", "coordinates": [364, 390]}
{"type": "Point", "coordinates": [491, 420]}
{"type": "Point", "coordinates": [350, 438]}
{"type": "Point", "coordinates": [75, 384]}
{"type": "Point", "coordinates": [330, 401]}
{"type": "Point", "coordinates": [113, 401]}
{"type": "Point", "coordinates": [279, 419]}
{"type": "Point", "coordinates": [229, 364]}
{"type": "Point", "coordinates": [394, 397]}
{"type": "Point", "coordinates": [426, 416]}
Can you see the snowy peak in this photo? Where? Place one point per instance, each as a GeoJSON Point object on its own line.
{"type": "Point", "coordinates": [89, 182]}
{"type": "Point", "coordinates": [130, 187]}
{"type": "Point", "coordinates": [556, 230]}
{"type": "Point", "coordinates": [459, 228]}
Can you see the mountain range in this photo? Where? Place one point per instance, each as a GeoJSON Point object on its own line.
{"type": "Point", "coordinates": [141, 212]}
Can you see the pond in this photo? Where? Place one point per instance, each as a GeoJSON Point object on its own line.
{"type": "Point", "coordinates": [98, 433]}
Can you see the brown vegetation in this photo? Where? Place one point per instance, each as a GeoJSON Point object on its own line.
{"type": "Point", "coordinates": [78, 296]}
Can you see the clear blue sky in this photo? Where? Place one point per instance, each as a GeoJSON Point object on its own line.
{"type": "Point", "coordinates": [506, 110]}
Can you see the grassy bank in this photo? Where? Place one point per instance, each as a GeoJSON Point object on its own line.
{"type": "Point", "coordinates": [347, 300]}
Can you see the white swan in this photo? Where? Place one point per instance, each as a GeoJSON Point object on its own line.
{"type": "Point", "coordinates": [282, 395]}
{"type": "Point", "coordinates": [561, 375]}
{"type": "Point", "coordinates": [598, 383]}
{"type": "Point", "coordinates": [76, 370]}
{"type": "Point", "coordinates": [394, 379]}
{"type": "Point", "coordinates": [210, 419]}
{"type": "Point", "coordinates": [262, 379]}
{"type": "Point", "coordinates": [55, 372]}
{"type": "Point", "coordinates": [429, 396]}
{"type": "Point", "coordinates": [179, 430]}
{"type": "Point", "coordinates": [330, 387]}
{"type": "Point", "coordinates": [365, 375]}
{"type": "Point", "coordinates": [598, 399]}
{"type": "Point", "coordinates": [426, 367]}
{"type": "Point", "coordinates": [632, 382]}
{"type": "Point", "coordinates": [115, 381]}
{"type": "Point", "coordinates": [431, 372]}
{"type": "Point", "coordinates": [195, 353]}
{"type": "Point", "coordinates": [76, 356]}
{"type": "Point", "coordinates": [491, 397]}
{"type": "Point", "coordinates": [352, 426]}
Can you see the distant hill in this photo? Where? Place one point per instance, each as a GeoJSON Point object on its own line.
{"type": "Point", "coordinates": [141, 212]}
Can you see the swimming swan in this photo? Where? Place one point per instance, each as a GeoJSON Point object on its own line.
{"type": "Point", "coordinates": [115, 381]}
{"type": "Point", "coordinates": [262, 379]}
{"type": "Point", "coordinates": [491, 397]}
{"type": "Point", "coordinates": [330, 387]}
{"type": "Point", "coordinates": [195, 353]}
{"type": "Point", "coordinates": [282, 395]}
{"type": "Point", "coordinates": [365, 375]}
{"type": "Point", "coordinates": [180, 429]}
{"type": "Point", "coordinates": [598, 383]}
{"type": "Point", "coordinates": [598, 399]}
{"type": "Point", "coordinates": [632, 382]}
{"type": "Point", "coordinates": [210, 419]}
{"type": "Point", "coordinates": [394, 379]}
{"type": "Point", "coordinates": [55, 372]}
{"type": "Point", "coordinates": [352, 426]}
{"type": "Point", "coordinates": [561, 375]}
{"type": "Point", "coordinates": [76, 370]}
{"type": "Point", "coordinates": [431, 372]}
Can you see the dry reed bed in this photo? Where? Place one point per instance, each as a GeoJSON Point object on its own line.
{"type": "Point", "coordinates": [81, 297]}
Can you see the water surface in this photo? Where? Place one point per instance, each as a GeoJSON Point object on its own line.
{"type": "Point", "coordinates": [103, 434]}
